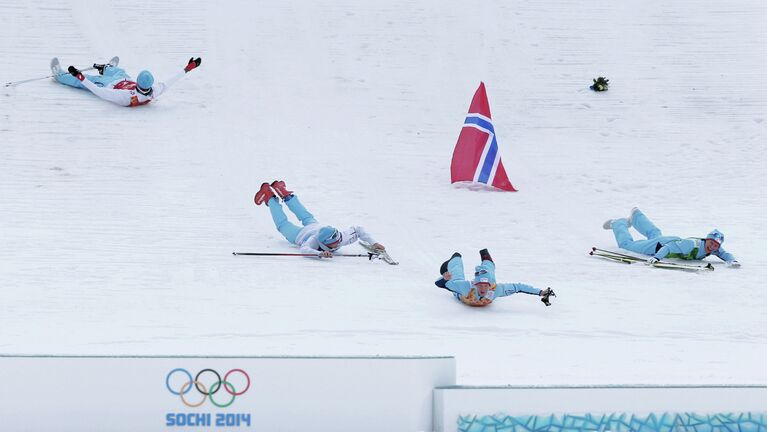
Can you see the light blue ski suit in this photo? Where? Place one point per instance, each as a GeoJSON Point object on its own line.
{"type": "Point", "coordinates": [661, 246]}
{"type": "Point", "coordinates": [305, 236]}
{"type": "Point", "coordinates": [466, 291]}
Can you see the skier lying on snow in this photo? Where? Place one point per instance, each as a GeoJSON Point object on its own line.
{"type": "Point", "coordinates": [114, 85]}
{"type": "Point", "coordinates": [659, 246]}
{"type": "Point", "coordinates": [482, 290]}
{"type": "Point", "coordinates": [312, 238]}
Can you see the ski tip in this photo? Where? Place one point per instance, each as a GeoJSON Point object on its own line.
{"type": "Point", "coordinates": [234, 253]}
{"type": "Point", "coordinates": [593, 248]}
{"type": "Point", "coordinates": [591, 253]}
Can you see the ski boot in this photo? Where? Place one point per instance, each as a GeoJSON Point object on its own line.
{"type": "Point", "coordinates": [264, 194]}
{"type": "Point", "coordinates": [441, 282]}
{"type": "Point", "coordinates": [100, 67]}
{"type": "Point", "coordinates": [608, 225]}
{"type": "Point", "coordinates": [443, 267]}
{"type": "Point", "coordinates": [545, 294]}
{"type": "Point", "coordinates": [281, 190]}
{"type": "Point", "coordinates": [484, 255]}
{"type": "Point", "coordinates": [631, 215]}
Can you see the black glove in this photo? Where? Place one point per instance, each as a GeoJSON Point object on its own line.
{"type": "Point", "coordinates": [193, 63]}
{"type": "Point", "coordinates": [600, 84]}
{"type": "Point", "coordinates": [545, 294]}
{"type": "Point", "coordinates": [76, 73]}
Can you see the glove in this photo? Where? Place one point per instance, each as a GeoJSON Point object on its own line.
{"type": "Point", "coordinates": [76, 73]}
{"type": "Point", "coordinates": [733, 264]}
{"type": "Point", "coordinates": [652, 261]}
{"type": "Point", "coordinates": [193, 63]}
{"type": "Point", "coordinates": [600, 84]}
{"type": "Point", "coordinates": [326, 254]}
{"type": "Point", "coordinates": [545, 294]}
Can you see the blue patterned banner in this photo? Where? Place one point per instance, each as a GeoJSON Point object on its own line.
{"type": "Point", "coordinates": [666, 422]}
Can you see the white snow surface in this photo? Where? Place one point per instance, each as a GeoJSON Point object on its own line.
{"type": "Point", "coordinates": [117, 225]}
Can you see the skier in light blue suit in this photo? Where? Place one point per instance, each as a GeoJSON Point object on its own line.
{"type": "Point", "coordinates": [482, 290]}
{"type": "Point", "coordinates": [659, 246]}
{"type": "Point", "coordinates": [311, 237]}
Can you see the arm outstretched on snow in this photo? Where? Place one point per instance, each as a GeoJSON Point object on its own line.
{"type": "Point", "coordinates": [507, 289]}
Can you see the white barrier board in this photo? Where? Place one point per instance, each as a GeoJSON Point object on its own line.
{"type": "Point", "coordinates": [614, 408]}
{"type": "Point", "coordinates": [219, 393]}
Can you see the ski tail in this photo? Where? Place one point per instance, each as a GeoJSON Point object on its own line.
{"type": "Point", "coordinates": [616, 258]}
{"type": "Point", "coordinates": [55, 67]}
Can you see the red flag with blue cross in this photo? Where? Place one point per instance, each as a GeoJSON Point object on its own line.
{"type": "Point", "coordinates": [476, 157]}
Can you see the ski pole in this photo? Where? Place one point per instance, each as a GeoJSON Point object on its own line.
{"type": "Point", "coordinates": [13, 83]}
{"type": "Point", "coordinates": [369, 256]}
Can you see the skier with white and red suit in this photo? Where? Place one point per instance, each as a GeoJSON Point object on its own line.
{"type": "Point", "coordinates": [114, 85]}
{"type": "Point", "coordinates": [482, 290]}
{"type": "Point", "coordinates": [312, 237]}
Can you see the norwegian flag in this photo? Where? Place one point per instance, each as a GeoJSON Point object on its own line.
{"type": "Point", "coordinates": [476, 158]}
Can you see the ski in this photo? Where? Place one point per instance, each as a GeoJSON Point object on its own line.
{"type": "Point", "coordinates": [615, 258]}
{"type": "Point", "coordinates": [630, 259]}
{"type": "Point", "coordinates": [56, 69]}
{"type": "Point", "coordinates": [382, 254]}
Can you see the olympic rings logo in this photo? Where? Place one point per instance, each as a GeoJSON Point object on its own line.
{"type": "Point", "coordinates": [207, 393]}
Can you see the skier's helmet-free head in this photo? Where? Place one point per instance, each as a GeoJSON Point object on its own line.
{"type": "Point", "coordinates": [329, 238]}
{"type": "Point", "coordinates": [716, 236]}
{"type": "Point", "coordinates": [144, 82]}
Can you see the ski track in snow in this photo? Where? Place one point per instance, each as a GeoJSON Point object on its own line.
{"type": "Point", "coordinates": [117, 225]}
